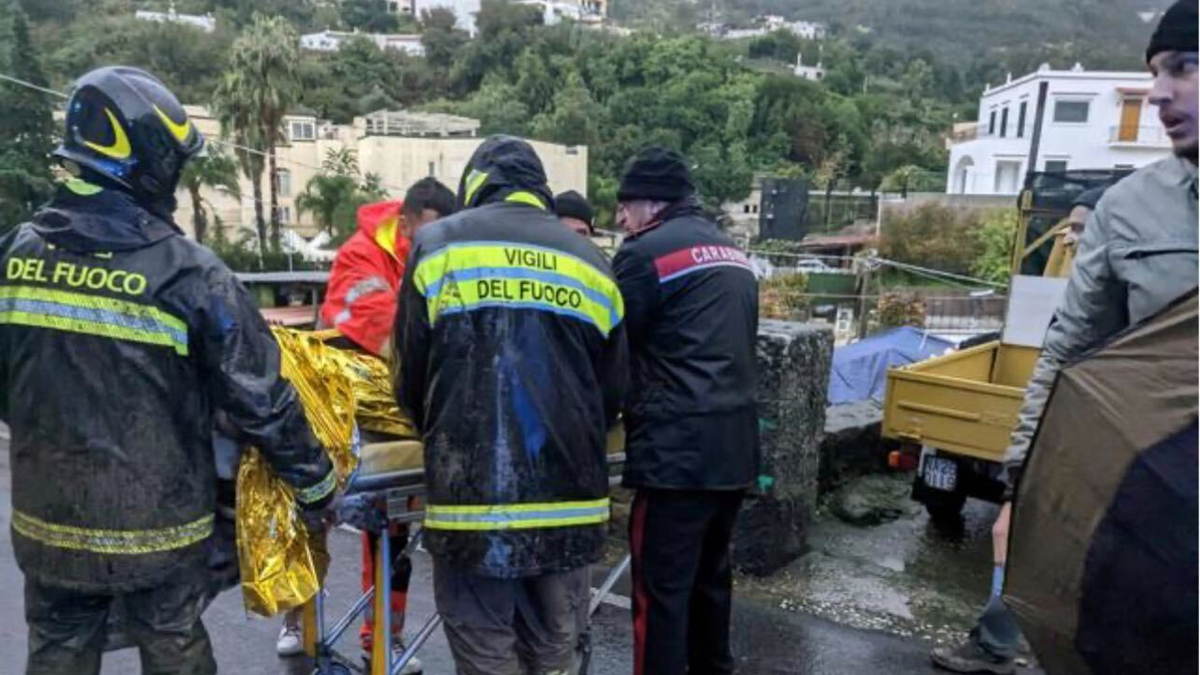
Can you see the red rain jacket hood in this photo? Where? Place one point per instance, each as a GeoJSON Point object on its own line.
{"type": "Point", "coordinates": [363, 286]}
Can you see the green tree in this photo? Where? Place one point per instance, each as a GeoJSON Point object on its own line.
{"type": "Point", "coordinates": [497, 107]}
{"type": "Point", "coordinates": [574, 119]}
{"type": "Point", "coordinates": [256, 92]}
{"type": "Point", "coordinates": [214, 169]}
{"type": "Point", "coordinates": [334, 195]}
{"type": "Point", "coordinates": [26, 124]}
{"type": "Point", "coordinates": [371, 16]}
{"type": "Point", "coordinates": [442, 40]}
{"type": "Point", "coordinates": [995, 240]}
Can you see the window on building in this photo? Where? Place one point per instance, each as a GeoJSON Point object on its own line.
{"type": "Point", "coordinates": [1021, 119]}
{"type": "Point", "coordinates": [303, 130]}
{"type": "Point", "coordinates": [745, 208]}
{"type": "Point", "coordinates": [1008, 174]}
{"type": "Point", "coordinates": [1056, 165]}
{"type": "Point", "coordinates": [283, 182]}
{"type": "Point", "coordinates": [285, 214]}
{"type": "Point", "coordinates": [432, 169]}
{"type": "Point", "coordinates": [1004, 122]}
{"type": "Point", "coordinates": [992, 123]}
{"type": "Point", "coordinates": [1071, 111]}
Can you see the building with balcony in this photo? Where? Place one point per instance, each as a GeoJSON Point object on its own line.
{"type": "Point", "coordinates": [400, 147]}
{"type": "Point", "coordinates": [1092, 120]}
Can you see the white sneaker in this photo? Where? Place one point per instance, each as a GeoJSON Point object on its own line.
{"type": "Point", "coordinates": [289, 642]}
{"type": "Point", "coordinates": [411, 668]}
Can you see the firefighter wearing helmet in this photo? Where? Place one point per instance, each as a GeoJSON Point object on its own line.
{"type": "Point", "coordinates": [120, 342]}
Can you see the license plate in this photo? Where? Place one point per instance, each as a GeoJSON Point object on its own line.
{"type": "Point", "coordinates": [940, 473]}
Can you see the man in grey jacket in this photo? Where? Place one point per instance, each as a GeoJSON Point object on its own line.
{"type": "Point", "coordinates": [1138, 254]}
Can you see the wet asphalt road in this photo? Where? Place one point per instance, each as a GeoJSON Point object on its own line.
{"type": "Point", "coordinates": [766, 639]}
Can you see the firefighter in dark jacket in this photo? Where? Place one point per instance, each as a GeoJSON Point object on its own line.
{"type": "Point", "coordinates": [119, 342]}
{"type": "Point", "coordinates": [691, 303]}
{"type": "Point", "coordinates": [510, 342]}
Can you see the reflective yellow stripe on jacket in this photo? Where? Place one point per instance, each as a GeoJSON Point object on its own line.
{"type": "Point", "coordinates": [92, 315]}
{"type": "Point", "coordinates": [118, 542]}
{"type": "Point", "coordinates": [467, 276]}
{"type": "Point", "coordinates": [516, 516]}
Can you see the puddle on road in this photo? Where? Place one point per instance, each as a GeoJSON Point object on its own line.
{"type": "Point", "coordinates": [906, 577]}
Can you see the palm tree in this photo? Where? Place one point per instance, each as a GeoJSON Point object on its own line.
{"type": "Point", "coordinates": [252, 99]}
{"type": "Point", "coordinates": [214, 170]}
{"type": "Point", "coordinates": [323, 195]}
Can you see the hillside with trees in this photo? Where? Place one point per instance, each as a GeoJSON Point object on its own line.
{"type": "Point", "coordinates": [895, 82]}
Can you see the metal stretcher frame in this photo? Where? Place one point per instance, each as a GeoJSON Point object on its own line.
{"type": "Point", "coordinates": [319, 642]}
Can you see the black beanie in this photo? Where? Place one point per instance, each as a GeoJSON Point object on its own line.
{"type": "Point", "coordinates": [1176, 31]}
{"type": "Point", "coordinates": [657, 174]}
{"type": "Point", "coordinates": [571, 204]}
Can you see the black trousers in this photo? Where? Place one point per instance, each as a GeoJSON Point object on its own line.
{"type": "Point", "coordinates": [682, 581]}
{"type": "Point", "coordinates": [67, 629]}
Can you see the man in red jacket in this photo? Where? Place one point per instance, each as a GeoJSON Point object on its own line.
{"type": "Point", "coordinates": [361, 301]}
{"type": "Point", "coordinates": [361, 305]}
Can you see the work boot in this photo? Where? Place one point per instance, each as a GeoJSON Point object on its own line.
{"type": "Point", "coordinates": [968, 657]}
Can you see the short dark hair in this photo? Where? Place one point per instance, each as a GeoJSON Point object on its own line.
{"type": "Point", "coordinates": [429, 193]}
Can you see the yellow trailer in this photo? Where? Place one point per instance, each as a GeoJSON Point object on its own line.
{"type": "Point", "coordinates": [954, 414]}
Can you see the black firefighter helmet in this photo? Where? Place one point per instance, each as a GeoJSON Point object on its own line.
{"type": "Point", "coordinates": [126, 126]}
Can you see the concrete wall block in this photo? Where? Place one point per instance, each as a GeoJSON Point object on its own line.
{"type": "Point", "coordinates": [793, 376]}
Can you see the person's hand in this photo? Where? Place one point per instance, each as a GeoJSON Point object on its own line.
{"type": "Point", "coordinates": [318, 520]}
{"type": "Point", "coordinates": [1000, 534]}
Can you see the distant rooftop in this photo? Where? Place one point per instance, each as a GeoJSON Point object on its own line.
{"type": "Point", "coordinates": [409, 123]}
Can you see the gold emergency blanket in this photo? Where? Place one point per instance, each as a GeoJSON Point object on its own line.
{"type": "Point", "coordinates": [376, 408]}
{"type": "Point", "coordinates": [281, 566]}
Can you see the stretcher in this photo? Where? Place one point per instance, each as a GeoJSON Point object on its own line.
{"type": "Point", "coordinates": [395, 469]}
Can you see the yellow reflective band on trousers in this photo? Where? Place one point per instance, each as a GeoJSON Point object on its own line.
{"type": "Point", "coordinates": [117, 542]}
{"type": "Point", "coordinates": [468, 276]}
{"type": "Point", "coordinates": [319, 490]}
{"type": "Point", "coordinates": [92, 315]}
{"type": "Point", "coordinates": [516, 516]}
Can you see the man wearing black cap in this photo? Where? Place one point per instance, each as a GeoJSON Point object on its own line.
{"type": "Point", "coordinates": [575, 212]}
{"type": "Point", "coordinates": [691, 311]}
{"type": "Point", "coordinates": [1137, 255]}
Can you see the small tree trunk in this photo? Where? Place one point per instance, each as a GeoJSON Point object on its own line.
{"type": "Point", "coordinates": [199, 217]}
{"type": "Point", "coordinates": [259, 223]}
{"type": "Point", "coordinates": [274, 195]}
{"type": "Point", "coordinates": [828, 197]}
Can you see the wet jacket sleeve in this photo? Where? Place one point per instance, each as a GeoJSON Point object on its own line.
{"type": "Point", "coordinates": [241, 364]}
{"type": "Point", "coordinates": [410, 347]}
{"type": "Point", "coordinates": [1093, 309]}
{"type": "Point", "coordinates": [361, 303]}
{"type": "Point", "coordinates": [637, 278]}
{"type": "Point", "coordinates": [614, 373]}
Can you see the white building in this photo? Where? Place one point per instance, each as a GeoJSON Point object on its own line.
{"type": "Point", "coordinates": [814, 73]}
{"type": "Point", "coordinates": [765, 25]}
{"type": "Point", "coordinates": [332, 40]}
{"type": "Point", "coordinates": [1092, 120]}
{"type": "Point", "coordinates": [204, 22]}
{"type": "Point", "coordinates": [464, 10]}
{"type": "Point", "coordinates": [555, 11]}
{"type": "Point", "coordinates": [400, 147]}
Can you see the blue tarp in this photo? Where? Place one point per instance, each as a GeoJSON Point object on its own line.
{"type": "Point", "coordinates": [860, 369]}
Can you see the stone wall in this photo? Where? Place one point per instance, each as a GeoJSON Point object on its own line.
{"type": "Point", "coordinates": [793, 376]}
